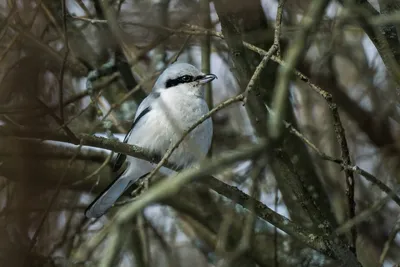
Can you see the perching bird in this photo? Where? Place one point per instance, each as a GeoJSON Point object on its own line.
{"type": "Point", "coordinates": [175, 104]}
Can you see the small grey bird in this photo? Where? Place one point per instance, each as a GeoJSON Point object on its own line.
{"type": "Point", "coordinates": [175, 104]}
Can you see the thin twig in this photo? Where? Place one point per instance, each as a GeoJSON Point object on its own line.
{"type": "Point", "coordinates": [276, 259]}
{"type": "Point", "coordinates": [352, 168]}
{"type": "Point", "coordinates": [113, 246]}
{"type": "Point", "coordinates": [64, 62]}
{"type": "Point", "coordinates": [345, 155]}
{"type": "Point", "coordinates": [184, 45]}
{"type": "Point", "coordinates": [125, 97]}
{"type": "Point", "coordinates": [206, 54]}
{"type": "Point", "coordinates": [206, 48]}
{"type": "Point", "coordinates": [393, 233]}
{"type": "Point", "coordinates": [76, 97]}
{"type": "Point", "coordinates": [265, 213]}
{"type": "Point", "coordinates": [274, 48]}
{"type": "Point", "coordinates": [364, 215]}
{"type": "Point", "coordinates": [73, 64]}
{"type": "Point", "coordinates": [83, 7]}
{"type": "Point", "coordinates": [52, 201]}
{"type": "Point", "coordinates": [278, 26]}
{"type": "Point", "coordinates": [309, 21]}
{"type": "Point", "coordinates": [258, 71]}
{"type": "Point", "coordinates": [247, 237]}
{"type": "Point", "coordinates": [95, 172]}
{"type": "Point", "coordinates": [66, 129]}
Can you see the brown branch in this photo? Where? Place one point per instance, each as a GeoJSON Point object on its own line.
{"type": "Point", "coordinates": [169, 187]}
{"type": "Point", "coordinates": [87, 140]}
{"type": "Point", "coordinates": [267, 214]}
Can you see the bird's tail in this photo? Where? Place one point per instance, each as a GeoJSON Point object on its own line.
{"type": "Point", "coordinates": [107, 199]}
{"type": "Point", "coordinates": [136, 169]}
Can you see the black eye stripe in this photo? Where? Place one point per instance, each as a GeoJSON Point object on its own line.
{"type": "Point", "coordinates": [179, 80]}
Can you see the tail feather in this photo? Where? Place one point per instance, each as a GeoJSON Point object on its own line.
{"type": "Point", "coordinates": [136, 169]}
{"type": "Point", "coordinates": [107, 199]}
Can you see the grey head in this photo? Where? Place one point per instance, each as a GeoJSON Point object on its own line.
{"type": "Point", "coordinates": [182, 73]}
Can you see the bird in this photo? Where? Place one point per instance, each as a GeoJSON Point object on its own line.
{"type": "Point", "coordinates": [176, 102]}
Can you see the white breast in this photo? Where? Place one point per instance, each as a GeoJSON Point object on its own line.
{"type": "Point", "coordinates": [164, 125]}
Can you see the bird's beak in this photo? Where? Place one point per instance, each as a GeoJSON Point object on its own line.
{"type": "Point", "coordinates": [206, 78]}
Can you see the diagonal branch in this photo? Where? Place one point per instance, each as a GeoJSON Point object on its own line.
{"type": "Point", "coordinates": [292, 56]}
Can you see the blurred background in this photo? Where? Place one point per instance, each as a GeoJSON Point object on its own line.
{"type": "Point", "coordinates": [74, 68]}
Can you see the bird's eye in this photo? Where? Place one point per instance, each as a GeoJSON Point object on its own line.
{"type": "Point", "coordinates": [179, 80]}
{"type": "Point", "coordinates": [186, 78]}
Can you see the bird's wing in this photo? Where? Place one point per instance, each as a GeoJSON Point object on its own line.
{"type": "Point", "coordinates": [107, 198]}
{"type": "Point", "coordinates": [142, 110]}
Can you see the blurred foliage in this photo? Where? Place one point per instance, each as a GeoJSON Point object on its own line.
{"type": "Point", "coordinates": [49, 50]}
